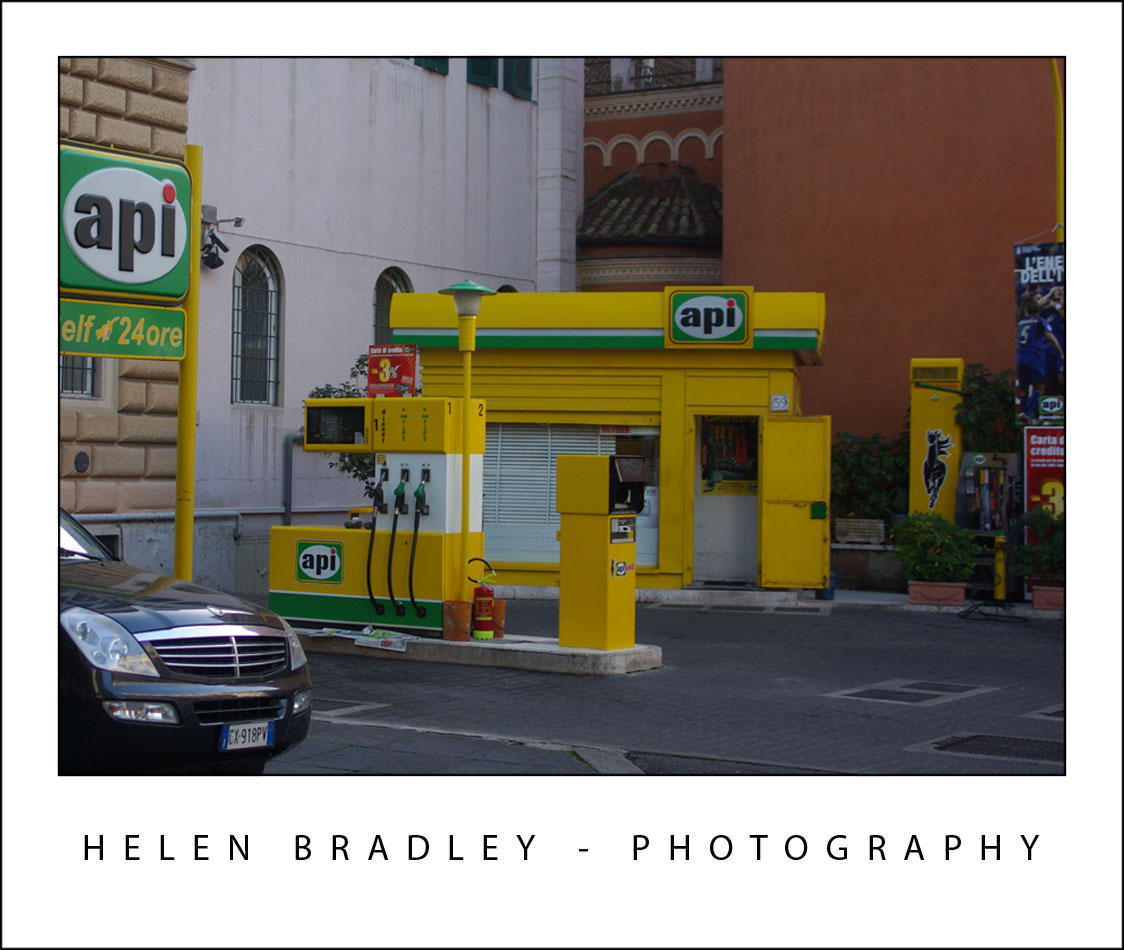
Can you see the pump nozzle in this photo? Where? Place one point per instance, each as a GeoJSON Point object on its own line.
{"type": "Point", "coordinates": [400, 499]}
{"type": "Point", "coordinates": [419, 499]}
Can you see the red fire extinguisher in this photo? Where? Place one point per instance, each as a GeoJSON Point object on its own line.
{"type": "Point", "coordinates": [483, 602]}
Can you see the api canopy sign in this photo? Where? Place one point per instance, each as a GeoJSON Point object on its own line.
{"type": "Point", "coordinates": [124, 265]}
{"type": "Point", "coordinates": [708, 317]}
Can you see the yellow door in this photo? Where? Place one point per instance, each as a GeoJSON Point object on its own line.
{"type": "Point", "coordinates": [794, 461]}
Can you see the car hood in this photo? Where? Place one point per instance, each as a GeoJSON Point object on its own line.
{"type": "Point", "coordinates": [142, 601]}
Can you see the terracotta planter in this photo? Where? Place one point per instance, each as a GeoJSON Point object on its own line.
{"type": "Point", "coordinates": [1047, 598]}
{"type": "Point", "coordinates": [942, 593]}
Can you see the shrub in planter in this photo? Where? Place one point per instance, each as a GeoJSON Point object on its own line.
{"type": "Point", "coordinates": [934, 551]}
{"type": "Point", "coordinates": [1042, 560]}
{"type": "Point", "coordinates": [869, 480]}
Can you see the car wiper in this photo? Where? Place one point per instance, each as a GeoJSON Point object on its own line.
{"type": "Point", "coordinates": [66, 552]}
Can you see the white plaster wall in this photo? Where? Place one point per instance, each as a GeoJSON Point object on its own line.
{"type": "Point", "coordinates": [342, 168]}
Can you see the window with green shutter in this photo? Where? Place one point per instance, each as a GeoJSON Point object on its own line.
{"type": "Point", "coordinates": [438, 64]}
{"type": "Point", "coordinates": [483, 70]}
{"type": "Point", "coordinates": [517, 76]}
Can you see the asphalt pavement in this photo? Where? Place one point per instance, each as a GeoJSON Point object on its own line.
{"type": "Point", "coordinates": [863, 685]}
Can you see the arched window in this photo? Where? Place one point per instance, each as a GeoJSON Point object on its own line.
{"type": "Point", "coordinates": [391, 281]}
{"type": "Point", "coordinates": [256, 337]}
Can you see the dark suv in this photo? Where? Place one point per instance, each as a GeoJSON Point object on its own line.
{"type": "Point", "coordinates": [161, 675]}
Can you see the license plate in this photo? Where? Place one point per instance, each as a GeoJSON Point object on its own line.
{"type": "Point", "coordinates": [246, 735]}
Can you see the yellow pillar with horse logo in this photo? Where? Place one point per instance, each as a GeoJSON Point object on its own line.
{"type": "Point", "coordinates": [934, 435]}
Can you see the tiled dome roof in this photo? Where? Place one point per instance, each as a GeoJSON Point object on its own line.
{"type": "Point", "coordinates": [655, 203]}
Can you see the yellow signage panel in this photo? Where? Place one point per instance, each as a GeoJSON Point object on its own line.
{"type": "Point", "coordinates": [934, 435]}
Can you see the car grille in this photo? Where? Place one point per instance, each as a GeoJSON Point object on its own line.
{"type": "Point", "coordinates": [231, 657]}
{"type": "Point", "coordinates": [212, 712]}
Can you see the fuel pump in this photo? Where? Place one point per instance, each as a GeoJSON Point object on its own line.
{"type": "Point", "coordinates": [335, 576]}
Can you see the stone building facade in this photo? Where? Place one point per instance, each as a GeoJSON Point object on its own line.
{"type": "Point", "coordinates": [117, 441]}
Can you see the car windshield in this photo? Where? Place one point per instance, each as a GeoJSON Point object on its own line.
{"type": "Point", "coordinates": [76, 542]}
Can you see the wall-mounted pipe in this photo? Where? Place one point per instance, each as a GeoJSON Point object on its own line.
{"type": "Point", "coordinates": [287, 489]}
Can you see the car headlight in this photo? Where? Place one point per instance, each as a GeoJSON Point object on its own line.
{"type": "Point", "coordinates": [105, 643]}
{"type": "Point", "coordinates": [296, 651]}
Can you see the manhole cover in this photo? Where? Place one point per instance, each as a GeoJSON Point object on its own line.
{"type": "Point", "coordinates": [1007, 747]}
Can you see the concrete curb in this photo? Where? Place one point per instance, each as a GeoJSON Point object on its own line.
{"type": "Point", "coordinates": [541, 654]}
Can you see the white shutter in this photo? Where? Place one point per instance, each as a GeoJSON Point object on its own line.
{"type": "Point", "coordinates": [520, 466]}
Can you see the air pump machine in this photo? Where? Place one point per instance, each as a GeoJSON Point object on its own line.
{"type": "Point", "coordinates": [396, 562]}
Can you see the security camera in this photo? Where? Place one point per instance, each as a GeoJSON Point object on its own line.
{"type": "Point", "coordinates": [215, 239]}
{"type": "Point", "coordinates": [210, 257]}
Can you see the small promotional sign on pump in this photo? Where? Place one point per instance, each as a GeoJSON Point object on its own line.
{"type": "Point", "coordinates": [392, 370]}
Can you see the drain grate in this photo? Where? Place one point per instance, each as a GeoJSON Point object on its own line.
{"type": "Point", "coordinates": [1006, 747]}
{"type": "Point", "coordinates": [940, 687]}
{"type": "Point", "coordinates": [891, 696]}
{"type": "Point", "coordinates": [911, 692]}
{"type": "Point", "coordinates": [735, 608]}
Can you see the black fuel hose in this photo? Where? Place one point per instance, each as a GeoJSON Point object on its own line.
{"type": "Point", "coordinates": [399, 499]}
{"type": "Point", "coordinates": [376, 502]}
{"type": "Point", "coordinates": [419, 503]}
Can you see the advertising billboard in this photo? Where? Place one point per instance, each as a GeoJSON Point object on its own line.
{"type": "Point", "coordinates": [1040, 333]}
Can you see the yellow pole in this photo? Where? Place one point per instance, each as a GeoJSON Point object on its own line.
{"type": "Point", "coordinates": [1059, 147]}
{"type": "Point", "coordinates": [188, 385]}
{"type": "Point", "coordinates": [467, 343]}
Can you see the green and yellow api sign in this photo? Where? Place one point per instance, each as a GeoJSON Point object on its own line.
{"type": "Point", "coordinates": [708, 316]}
{"type": "Point", "coordinates": [319, 562]}
{"type": "Point", "coordinates": [123, 227]}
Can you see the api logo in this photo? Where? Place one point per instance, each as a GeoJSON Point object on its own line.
{"type": "Point", "coordinates": [123, 224]}
{"type": "Point", "coordinates": [319, 562]}
{"type": "Point", "coordinates": [1050, 405]}
{"type": "Point", "coordinates": [708, 318]}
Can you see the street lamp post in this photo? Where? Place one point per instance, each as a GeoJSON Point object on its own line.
{"type": "Point", "coordinates": [466, 299]}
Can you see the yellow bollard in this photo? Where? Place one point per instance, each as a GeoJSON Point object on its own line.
{"type": "Point", "coordinates": [999, 591]}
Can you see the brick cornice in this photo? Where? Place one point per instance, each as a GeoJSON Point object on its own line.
{"type": "Point", "coordinates": [667, 270]}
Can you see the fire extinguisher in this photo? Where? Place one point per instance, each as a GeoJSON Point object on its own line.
{"type": "Point", "coordinates": [483, 601]}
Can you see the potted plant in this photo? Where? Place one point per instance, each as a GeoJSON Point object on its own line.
{"type": "Point", "coordinates": [1041, 560]}
{"type": "Point", "coordinates": [937, 556]}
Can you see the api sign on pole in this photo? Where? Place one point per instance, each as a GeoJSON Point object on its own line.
{"type": "Point", "coordinates": [124, 267]}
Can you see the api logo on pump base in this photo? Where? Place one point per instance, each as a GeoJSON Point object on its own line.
{"type": "Point", "coordinates": [710, 316]}
{"type": "Point", "coordinates": [319, 562]}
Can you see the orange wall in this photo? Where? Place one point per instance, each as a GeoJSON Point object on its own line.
{"type": "Point", "coordinates": [898, 187]}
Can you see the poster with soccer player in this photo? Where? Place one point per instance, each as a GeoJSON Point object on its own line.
{"type": "Point", "coordinates": [1040, 334]}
